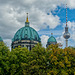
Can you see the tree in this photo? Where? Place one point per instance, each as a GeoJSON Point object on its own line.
{"type": "Point", "coordinates": [61, 61]}
{"type": "Point", "coordinates": [4, 59]}
{"type": "Point", "coordinates": [36, 61]}
{"type": "Point", "coordinates": [39, 61]}
{"type": "Point", "coordinates": [18, 57]}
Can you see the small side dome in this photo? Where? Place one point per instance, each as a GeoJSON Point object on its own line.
{"type": "Point", "coordinates": [1, 40]}
{"type": "Point", "coordinates": [51, 40]}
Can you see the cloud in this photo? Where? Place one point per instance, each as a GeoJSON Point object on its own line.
{"type": "Point", "coordinates": [8, 43]}
{"type": "Point", "coordinates": [73, 36]}
{"type": "Point", "coordinates": [60, 40]}
{"type": "Point", "coordinates": [44, 39]}
{"type": "Point", "coordinates": [42, 20]}
{"type": "Point", "coordinates": [13, 14]}
{"type": "Point", "coordinates": [71, 4]}
{"type": "Point", "coordinates": [71, 25]}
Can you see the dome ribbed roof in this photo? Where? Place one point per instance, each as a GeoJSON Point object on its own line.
{"type": "Point", "coordinates": [52, 39]}
{"type": "Point", "coordinates": [1, 39]}
{"type": "Point", "coordinates": [26, 33]}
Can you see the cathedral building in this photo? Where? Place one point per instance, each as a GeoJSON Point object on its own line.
{"type": "Point", "coordinates": [26, 37]}
{"type": "Point", "coordinates": [51, 40]}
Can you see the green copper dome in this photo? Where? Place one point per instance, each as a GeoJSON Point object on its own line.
{"type": "Point", "coordinates": [52, 39]}
{"type": "Point", "coordinates": [26, 33]}
{"type": "Point", "coordinates": [1, 39]}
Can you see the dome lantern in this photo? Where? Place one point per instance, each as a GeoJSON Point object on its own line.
{"type": "Point", "coordinates": [27, 22]}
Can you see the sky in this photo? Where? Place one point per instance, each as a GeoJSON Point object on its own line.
{"type": "Point", "coordinates": [45, 16]}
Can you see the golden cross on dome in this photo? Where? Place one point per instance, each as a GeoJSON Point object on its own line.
{"type": "Point", "coordinates": [27, 18]}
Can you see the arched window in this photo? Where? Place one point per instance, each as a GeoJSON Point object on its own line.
{"type": "Point", "coordinates": [25, 36]}
{"type": "Point", "coordinates": [16, 37]}
{"type": "Point", "coordinates": [35, 37]}
{"type": "Point", "coordinates": [26, 31]}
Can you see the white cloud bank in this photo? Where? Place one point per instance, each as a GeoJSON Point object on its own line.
{"type": "Point", "coordinates": [13, 14]}
{"type": "Point", "coordinates": [71, 26]}
{"type": "Point", "coordinates": [8, 43]}
{"type": "Point", "coordinates": [44, 40]}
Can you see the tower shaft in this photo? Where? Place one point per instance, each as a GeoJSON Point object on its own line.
{"type": "Point", "coordinates": [66, 43]}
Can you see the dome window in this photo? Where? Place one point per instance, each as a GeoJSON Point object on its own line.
{"type": "Point", "coordinates": [35, 37]}
{"type": "Point", "coordinates": [16, 37]}
{"type": "Point", "coordinates": [26, 31]}
{"type": "Point", "coordinates": [25, 36]}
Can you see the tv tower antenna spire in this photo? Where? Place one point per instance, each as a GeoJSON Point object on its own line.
{"type": "Point", "coordinates": [66, 14]}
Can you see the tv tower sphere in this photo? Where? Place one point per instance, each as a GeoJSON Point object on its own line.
{"type": "Point", "coordinates": [66, 34]}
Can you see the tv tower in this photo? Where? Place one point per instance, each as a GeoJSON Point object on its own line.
{"type": "Point", "coordinates": [66, 34]}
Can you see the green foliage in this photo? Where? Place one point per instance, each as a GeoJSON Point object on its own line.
{"type": "Point", "coordinates": [4, 59]}
{"type": "Point", "coordinates": [38, 61]}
